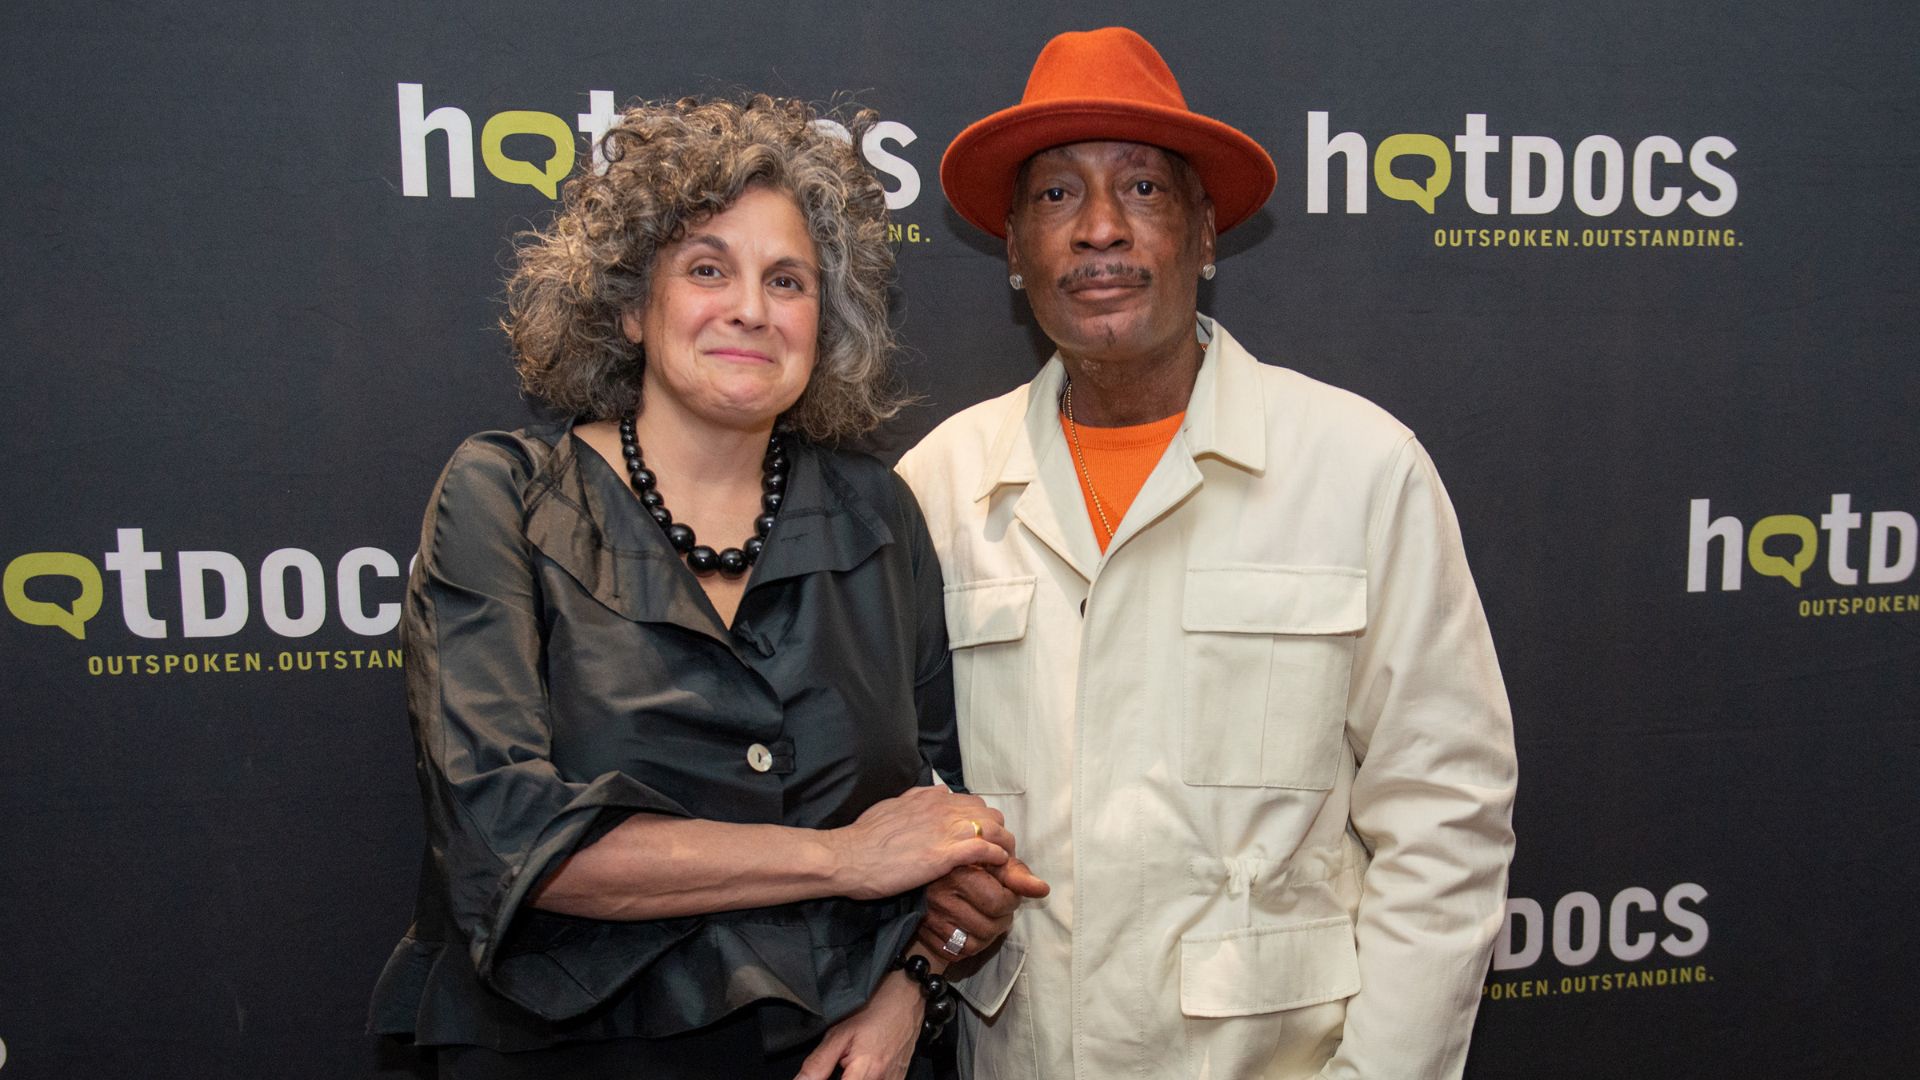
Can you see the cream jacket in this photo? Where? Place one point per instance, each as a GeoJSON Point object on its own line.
{"type": "Point", "coordinates": [1260, 748]}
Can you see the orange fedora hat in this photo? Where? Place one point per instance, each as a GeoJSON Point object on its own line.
{"type": "Point", "coordinates": [1095, 85]}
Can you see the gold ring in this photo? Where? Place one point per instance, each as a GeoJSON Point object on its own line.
{"type": "Point", "coordinates": [976, 828]}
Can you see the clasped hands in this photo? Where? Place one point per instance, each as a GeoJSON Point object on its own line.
{"type": "Point", "coordinates": [955, 844]}
{"type": "Point", "coordinates": [973, 905]}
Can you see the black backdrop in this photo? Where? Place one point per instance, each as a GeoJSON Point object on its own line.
{"type": "Point", "coordinates": [239, 351]}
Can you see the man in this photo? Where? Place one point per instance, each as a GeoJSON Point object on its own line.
{"type": "Point", "coordinates": [1218, 656]}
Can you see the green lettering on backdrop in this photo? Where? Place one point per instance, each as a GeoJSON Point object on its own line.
{"type": "Point", "coordinates": [46, 613]}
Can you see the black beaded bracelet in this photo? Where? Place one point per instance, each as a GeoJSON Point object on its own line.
{"type": "Point", "coordinates": [940, 1007]}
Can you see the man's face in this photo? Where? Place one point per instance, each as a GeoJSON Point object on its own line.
{"type": "Point", "coordinates": [1110, 237]}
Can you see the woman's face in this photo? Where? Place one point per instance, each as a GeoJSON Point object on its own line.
{"type": "Point", "coordinates": [732, 318]}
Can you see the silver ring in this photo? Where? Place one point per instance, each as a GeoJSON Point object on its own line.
{"type": "Point", "coordinates": [956, 942]}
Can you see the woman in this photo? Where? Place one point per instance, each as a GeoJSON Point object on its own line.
{"type": "Point", "coordinates": [676, 672]}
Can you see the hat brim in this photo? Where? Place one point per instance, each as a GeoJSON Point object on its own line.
{"type": "Point", "coordinates": [979, 168]}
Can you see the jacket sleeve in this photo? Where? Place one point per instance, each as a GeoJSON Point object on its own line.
{"type": "Point", "coordinates": [499, 817]}
{"type": "Point", "coordinates": [1433, 796]}
{"type": "Point", "coordinates": [933, 668]}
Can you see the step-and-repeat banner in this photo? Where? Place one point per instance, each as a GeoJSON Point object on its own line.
{"type": "Point", "coordinates": [1640, 274]}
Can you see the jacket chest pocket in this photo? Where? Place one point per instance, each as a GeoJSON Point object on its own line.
{"type": "Point", "coordinates": [987, 630]}
{"type": "Point", "coordinates": [1268, 653]}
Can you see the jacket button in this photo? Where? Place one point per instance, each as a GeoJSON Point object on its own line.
{"type": "Point", "coordinates": [759, 758]}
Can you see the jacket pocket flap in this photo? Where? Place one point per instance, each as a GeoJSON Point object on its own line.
{"type": "Point", "coordinates": [984, 612]}
{"type": "Point", "coordinates": [1255, 599]}
{"type": "Point", "coordinates": [987, 988]}
{"type": "Point", "coordinates": [1268, 968]}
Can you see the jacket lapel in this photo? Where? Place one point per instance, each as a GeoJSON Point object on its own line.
{"type": "Point", "coordinates": [1226, 419]}
{"type": "Point", "coordinates": [589, 524]}
{"type": "Point", "coordinates": [1034, 453]}
{"type": "Point", "coordinates": [583, 517]}
{"type": "Point", "coordinates": [824, 525]}
{"type": "Point", "coordinates": [1227, 414]}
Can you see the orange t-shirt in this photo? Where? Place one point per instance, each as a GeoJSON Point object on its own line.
{"type": "Point", "coordinates": [1119, 460]}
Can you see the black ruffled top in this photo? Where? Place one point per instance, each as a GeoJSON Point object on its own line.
{"type": "Point", "coordinates": [565, 670]}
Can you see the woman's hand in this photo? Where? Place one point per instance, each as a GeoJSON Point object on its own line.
{"type": "Point", "coordinates": [875, 1043]}
{"type": "Point", "coordinates": [906, 841]}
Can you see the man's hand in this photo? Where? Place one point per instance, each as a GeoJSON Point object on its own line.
{"type": "Point", "coordinates": [979, 901]}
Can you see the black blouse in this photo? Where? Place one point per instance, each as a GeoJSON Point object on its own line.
{"type": "Point", "coordinates": [565, 670]}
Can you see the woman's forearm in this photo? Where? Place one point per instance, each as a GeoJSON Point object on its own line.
{"type": "Point", "coordinates": [655, 867]}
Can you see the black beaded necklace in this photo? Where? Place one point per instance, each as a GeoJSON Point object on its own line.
{"type": "Point", "coordinates": [702, 559]}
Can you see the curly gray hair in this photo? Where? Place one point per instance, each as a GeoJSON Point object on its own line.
{"type": "Point", "coordinates": [669, 168]}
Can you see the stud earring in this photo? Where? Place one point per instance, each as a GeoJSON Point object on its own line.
{"type": "Point", "coordinates": [1207, 272]}
{"type": "Point", "coordinates": [1017, 282]}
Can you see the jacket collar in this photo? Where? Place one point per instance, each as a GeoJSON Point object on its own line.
{"type": "Point", "coordinates": [581, 515]}
{"type": "Point", "coordinates": [824, 525]}
{"type": "Point", "coordinates": [1226, 417]}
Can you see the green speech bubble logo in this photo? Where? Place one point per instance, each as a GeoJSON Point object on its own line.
{"type": "Point", "coordinates": [1413, 191]}
{"type": "Point", "coordinates": [514, 171]}
{"type": "Point", "coordinates": [1773, 565]}
{"type": "Point", "coordinates": [43, 613]}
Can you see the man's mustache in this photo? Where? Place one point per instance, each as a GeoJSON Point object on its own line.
{"type": "Point", "coordinates": [1106, 273]}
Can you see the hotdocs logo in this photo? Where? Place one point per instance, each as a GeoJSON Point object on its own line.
{"type": "Point", "coordinates": [551, 158]}
{"type": "Point", "coordinates": [1862, 550]}
{"type": "Point", "coordinates": [1623, 185]}
{"type": "Point", "coordinates": [1648, 941]}
{"type": "Point", "coordinates": [291, 594]}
